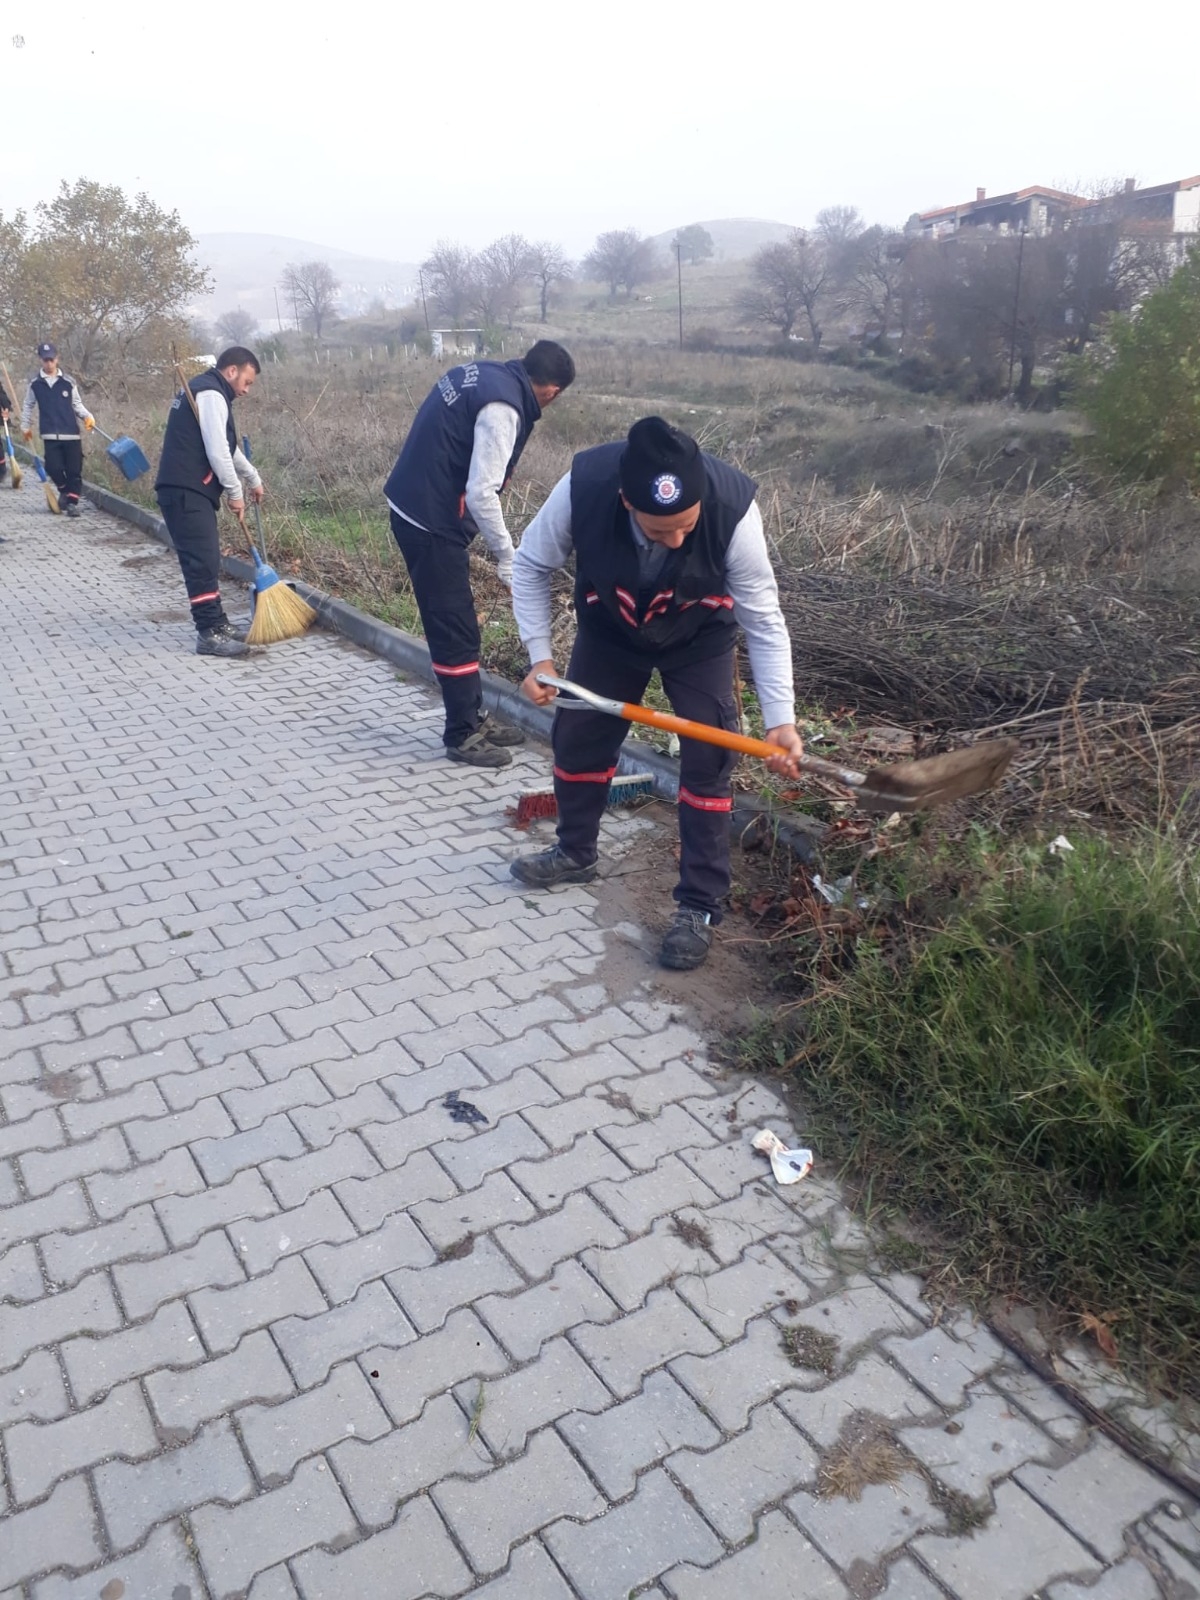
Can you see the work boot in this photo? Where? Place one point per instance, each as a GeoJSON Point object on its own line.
{"type": "Point", "coordinates": [221, 642]}
{"type": "Point", "coordinates": [72, 508]}
{"type": "Point", "coordinates": [551, 867]}
{"type": "Point", "coordinates": [230, 630]}
{"type": "Point", "coordinates": [686, 943]}
{"type": "Point", "coordinates": [476, 751]}
{"type": "Point", "coordinates": [499, 733]}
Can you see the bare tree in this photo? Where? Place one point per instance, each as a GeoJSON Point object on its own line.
{"type": "Point", "coordinates": [499, 272]}
{"type": "Point", "coordinates": [449, 274]}
{"type": "Point", "coordinates": [874, 277]}
{"type": "Point", "coordinates": [788, 279]}
{"type": "Point", "coordinates": [621, 258]}
{"type": "Point", "coordinates": [548, 265]}
{"type": "Point", "coordinates": [313, 290]}
{"type": "Point", "coordinates": [237, 326]}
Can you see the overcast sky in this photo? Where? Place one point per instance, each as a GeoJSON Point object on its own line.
{"type": "Point", "coordinates": [382, 128]}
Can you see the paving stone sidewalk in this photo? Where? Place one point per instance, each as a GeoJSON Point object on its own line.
{"type": "Point", "coordinates": [272, 1324]}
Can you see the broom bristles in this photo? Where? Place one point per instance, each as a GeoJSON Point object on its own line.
{"type": "Point", "coordinates": [52, 497]}
{"type": "Point", "coordinates": [279, 613]}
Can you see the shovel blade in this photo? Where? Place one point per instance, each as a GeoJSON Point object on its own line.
{"type": "Point", "coordinates": [937, 780]}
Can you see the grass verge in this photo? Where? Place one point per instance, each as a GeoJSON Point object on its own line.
{"type": "Point", "coordinates": [1015, 1056]}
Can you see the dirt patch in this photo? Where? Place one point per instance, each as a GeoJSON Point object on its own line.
{"type": "Point", "coordinates": [166, 616]}
{"type": "Point", "coordinates": [634, 899]}
{"type": "Point", "coordinates": [865, 1453]}
{"type": "Point", "coordinates": [144, 560]}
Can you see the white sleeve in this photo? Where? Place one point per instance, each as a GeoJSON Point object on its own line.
{"type": "Point", "coordinates": [496, 429]}
{"type": "Point", "coordinates": [214, 414]}
{"type": "Point", "coordinates": [545, 549]}
{"type": "Point", "coordinates": [755, 597]}
{"type": "Point", "coordinates": [27, 408]}
{"type": "Point", "coordinates": [77, 405]}
{"type": "Point", "coordinates": [245, 468]}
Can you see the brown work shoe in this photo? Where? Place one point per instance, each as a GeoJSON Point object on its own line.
{"type": "Point", "coordinates": [477, 751]}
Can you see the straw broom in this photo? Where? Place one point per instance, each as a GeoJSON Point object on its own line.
{"type": "Point", "coordinates": [13, 464]}
{"type": "Point", "coordinates": [279, 612]}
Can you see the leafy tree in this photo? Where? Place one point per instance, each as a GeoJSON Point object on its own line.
{"type": "Point", "coordinates": [97, 271]}
{"type": "Point", "coordinates": [312, 288]}
{"type": "Point", "coordinates": [548, 265]}
{"type": "Point", "coordinates": [694, 244]}
{"type": "Point", "coordinates": [236, 326]}
{"type": "Point", "coordinates": [788, 280]}
{"type": "Point", "coordinates": [1140, 386]}
{"type": "Point", "coordinates": [621, 258]}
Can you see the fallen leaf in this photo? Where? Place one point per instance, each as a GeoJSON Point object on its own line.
{"type": "Point", "coordinates": [1100, 1329]}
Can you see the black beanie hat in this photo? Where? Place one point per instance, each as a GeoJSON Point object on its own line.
{"type": "Point", "coordinates": [662, 470]}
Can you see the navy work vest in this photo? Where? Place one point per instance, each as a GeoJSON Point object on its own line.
{"type": "Point", "coordinates": [56, 414]}
{"type": "Point", "coordinates": [687, 610]}
{"type": "Point", "coordinates": [184, 463]}
{"type": "Point", "coordinates": [430, 476]}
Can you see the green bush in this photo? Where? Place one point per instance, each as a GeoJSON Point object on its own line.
{"type": "Point", "coordinates": [1140, 387]}
{"type": "Point", "coordinates": [1031, 1074]}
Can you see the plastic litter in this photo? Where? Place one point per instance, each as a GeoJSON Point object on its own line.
{"type": "Point", "coordinates": [789, 1166]}
{"type": "Point", "coordinates": [1061, 846]}
{"type": "Point", "coordinates": [462, 1110]}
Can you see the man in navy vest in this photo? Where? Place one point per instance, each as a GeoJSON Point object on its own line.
{"type": "Point", "coordinates": [200, 462]}
{"type": "Point", "coordinates": [462, 448]}
{"type": "Point", "coordinates": [60, 411]}
{"type": "Point", "coordinates": [670, 557]}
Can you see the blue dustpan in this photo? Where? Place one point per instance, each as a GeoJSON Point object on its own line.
{"type": "Point", "coordinates": [125, 454]}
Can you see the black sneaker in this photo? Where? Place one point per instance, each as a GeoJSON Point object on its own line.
{"type": "Point", "coordinates": [72, 508]}
{"type": "Point", "coordinates": [230, 630]}
{"type": "Point", "coordinates": [476, 751]}
{"type": "Point", "coordinates": [551, 867]}
{"type": "Point", "coordinates": [217, 643]}
{"type": "Point", "coordinates": [686, 942]}
{"type": "Point", "coordinates": [499, 733]}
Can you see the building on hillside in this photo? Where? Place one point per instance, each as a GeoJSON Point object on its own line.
{"type": "Point", "coordinates": [456, 341]}
{"type": "Point", "coordinates": [1169, 212]}
{"type": "Point", "coordinates": [1034, 210]}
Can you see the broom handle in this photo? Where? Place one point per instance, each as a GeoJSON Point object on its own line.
{"type": "Point", "coordinates": [686, 729]}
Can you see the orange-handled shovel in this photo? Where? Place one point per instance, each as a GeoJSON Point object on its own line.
{"type": "Point", "coordinates": [905, 786]}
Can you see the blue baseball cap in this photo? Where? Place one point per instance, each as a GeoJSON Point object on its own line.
{"type": "Point", "coordinates": [47, 352]}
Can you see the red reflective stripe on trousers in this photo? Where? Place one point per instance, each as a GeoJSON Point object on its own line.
{"type": "Point", "coordinates": [584, 777]}
{"type": "Point", "coordinates": [455, 672]}
{"type": "Point", "coordinates": [197, 598]}
{"type": "Point", "coordinates": [703, 802]}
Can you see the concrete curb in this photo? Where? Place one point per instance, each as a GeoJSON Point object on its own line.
{"type": "Point", "coordinates": [411, 655]}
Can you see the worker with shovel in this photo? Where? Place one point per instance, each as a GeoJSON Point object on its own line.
{"type": "Point", "coordinates": [60, 411]}
{"type": "Point", "coordinates": [200, 462]}
{"type": "Point", "coordinates": [670, 556]}
{"type": "Point", "coordinates": [462, 448]}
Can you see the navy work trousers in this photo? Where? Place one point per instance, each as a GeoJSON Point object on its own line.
{"type": "Point", "coordinates": [440, 570]}
{"type": "Point", "coordinates": [587, 743]}
{"type": "Point", "coordinates": [191, 520]}
{"type": "Point", "coordinates": [64, 465]}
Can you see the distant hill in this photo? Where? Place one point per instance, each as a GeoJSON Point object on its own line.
{"type": "Point", "coordinates": [246, 269]}
{"type": "Point", "coordinates": [734, 238]}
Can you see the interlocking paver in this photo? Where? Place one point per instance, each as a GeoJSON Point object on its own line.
{"type": "Point", "coordinates": [493, 1513]}
{"type": "Point", "coordinates": [167, 1339]}
{"type": "Point", "coordinates": [39, 1453]}
{"type": "Point", "coordinates": [404, 1378]}
{"type": "Point", "coordinates": [226, 1073]}
{"type": "Point", "coordinates": [651, 1533]}
{"type": "Point", "coordinates": [236, 1543]}
{"type": "Point", "coordinates": [414, 1558]}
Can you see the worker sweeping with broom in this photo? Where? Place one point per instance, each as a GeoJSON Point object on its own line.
{"type": "Point", "coordinates": [60, 411]}
{"type": "Point", "coordinates": [670, 556]}
{"type": "Point", "coordinates": [200, 462]}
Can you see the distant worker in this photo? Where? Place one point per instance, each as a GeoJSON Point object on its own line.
{"type": "Point", "coordinates": [201, 461]}
{"type": "Point", "coordinates": [5, 413]}
{"type": "Point", "coordinates": [670, 555]}
{"type": "Point", "coordinates": [60, 411]}
{"type": "Point", "coordinates": [461, 451]}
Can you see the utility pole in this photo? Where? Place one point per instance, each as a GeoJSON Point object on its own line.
{"type": "Point", "coordinates": [1012, 343]}
{"type": "Point", "coordinates": [679, 282]}
{"type": "Point", "coordinates": [424, 307]}
{"type": "Point", "coordinates": [278, 318]}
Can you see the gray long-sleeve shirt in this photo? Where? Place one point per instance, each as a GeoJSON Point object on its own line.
{"type": "Point", "coordinates": [546, 547]}
{"type": "Point", "coordinates": [213, 409]}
